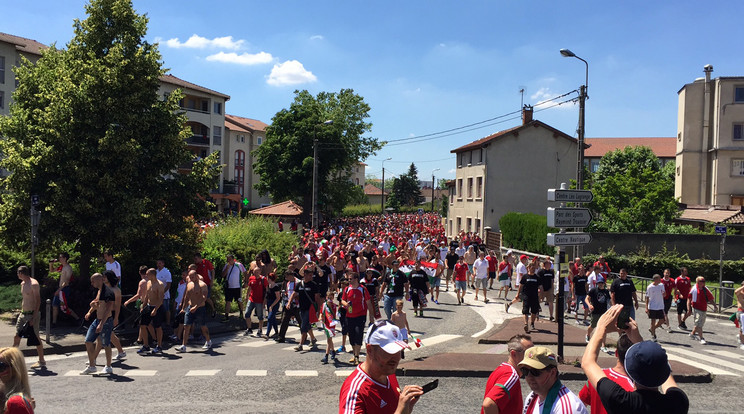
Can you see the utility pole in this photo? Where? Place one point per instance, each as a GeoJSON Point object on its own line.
{"type": "Point", "coordinates": [382, 197]}
{"type": "Point", "coordinates": [315, 184]}
{"type": "Point", "coordinates": [432, 188]}
{"type": "Point", "coordinates": [35, 216]}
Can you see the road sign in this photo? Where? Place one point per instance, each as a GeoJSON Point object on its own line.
{"type": "Point", "coordinates": [571, 196]}
{"type": "Point", "coordinates": [720, 229]}
{"type": "Point", "coordinates": [568, 239]}
{"type": "Point", "coordinates": [569, 217]}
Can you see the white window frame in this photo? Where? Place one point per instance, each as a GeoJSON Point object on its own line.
{"type": "Point", "coordinates": [737, 167]}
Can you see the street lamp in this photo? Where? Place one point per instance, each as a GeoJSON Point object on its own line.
{"type": "Point", "coordinates": [432, 188]}
{"type": "Point", "coordinates": [582, 101]}
{"type": "Point", "coordinates": [314, 218]}
{"type": "Point", "coordinates": [382, 198]}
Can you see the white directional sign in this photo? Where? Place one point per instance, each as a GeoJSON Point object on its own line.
{"type": "Point", "coordinates": [568, 239]}
{"type": "Point", "coordinates": [568, 217]}
{"type": "Point", "coordinates": [570, 196]}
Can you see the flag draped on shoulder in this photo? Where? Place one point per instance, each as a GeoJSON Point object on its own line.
{"type": "Point", "coordinates": [329, 321]}
{"type": "Point", "coordinates": [408, 266]}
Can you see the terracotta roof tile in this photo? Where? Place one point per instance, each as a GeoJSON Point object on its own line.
{"type": "Point", "coordinates": [663, 147]}
{"type": "Point", "coordinates": [371, 190]}
{"type": "Point", "coordinates": [23, 44]}
{"type": "Point", "coordinates": [535, 123]}
{"type": "Point", "coordinates": [185, 84]}
{"type": "Point", "coordinates": [252, 124]}
{"type": "Point", "coordinates": [287, 208]}
{"type": "Point", "coordinates": [712, 215]}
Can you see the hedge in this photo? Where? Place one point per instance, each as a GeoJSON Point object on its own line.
{"type": "Point", "coordinates": [526, 231]}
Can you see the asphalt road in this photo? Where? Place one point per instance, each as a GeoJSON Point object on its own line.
{"type": "Point", "coordinates": [247, 375]}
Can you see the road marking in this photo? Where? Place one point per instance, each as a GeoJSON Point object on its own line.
{"type": "Point", "coordinates": [139, 373]}
{"type": "Point", "coordinates": [299, 373]}
{"type": "Point", "coordinates": [727, 354]}
{"type": "Point", "coordinates": [73, 374]}
{"type": "Point", "coordinates": [257, 344]}
{"type": "Point", "coordinates": [56, 357]}
{"type": "Point", "coordinates": [344, 372]}
{"type": "Point", "coordinates": [202, 372]}
{"type": "Point", "coordinates": [437, 339]}
{"type": "Point", "coordinates": [251, 373]}
{"type": "Point", "coordinates": [712, 370]}
{"type": "Point", "coordinates": [712, 360]}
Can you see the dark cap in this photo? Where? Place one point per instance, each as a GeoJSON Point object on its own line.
{"type": "Point", "coordinates": [647, 364]}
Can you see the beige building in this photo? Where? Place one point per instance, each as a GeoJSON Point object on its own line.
{"type": "Point", "coordinates": [11, 50]}
{"type": "Point", "coordinates": [357, 174]}
{"type": "Point", "coordinates": [509, 171]}
{"type": "Point", "coordinates": [242, 137]}
{"type": "Point", "coordinates": [710, 141]}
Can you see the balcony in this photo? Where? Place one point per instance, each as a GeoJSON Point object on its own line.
{"type": "Point", "coordinates": [198, 141]}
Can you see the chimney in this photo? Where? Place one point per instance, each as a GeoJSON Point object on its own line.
{"type": "Point", "coordinates": [526, 114]}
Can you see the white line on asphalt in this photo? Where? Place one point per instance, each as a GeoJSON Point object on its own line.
{"type": "Point", "coordinates": [437, 339]}
{"type": "Point", "coordinates": [56, 357]}
{"type": "Point", "coordinates": [712, 360]}
{"type": "Point", "coordinates": [251, 373]}
{"type": "Point", "coordinates": [708, 368]}
{"type": "Point", "coordinates": [139, 373]}
{"type": "Point", "coordinates": [202, 372]}
{"type": "Point", "coordinates": [344, 372]}
{"type": "Point", "coordinates": [726, 354]}
{"type": "Point", "coordinates": [299, 373]}
{"type": "Point", "coordinates": [257, 344]}
{"type": "Point", "coordinates": [73, 374]}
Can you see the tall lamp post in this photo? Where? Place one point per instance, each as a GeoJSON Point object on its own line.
{"type": "Point", "coordinates": [382, 197]}
{"type": "Point", "coordinates": [314, 218]}
{"type": "Point", "coordinates": [582, 102]}
{"type": "Point", "coordinates": [432, 188]}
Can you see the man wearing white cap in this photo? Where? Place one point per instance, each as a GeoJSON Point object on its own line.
{"type": "Point", "coordinates": [373, 387]}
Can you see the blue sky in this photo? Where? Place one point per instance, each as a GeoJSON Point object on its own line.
{"type": "Point", "coordinates": [430, 66]}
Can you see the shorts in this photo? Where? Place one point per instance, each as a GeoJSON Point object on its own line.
{"type": "Point", "coordinates": [698, 317]}
{"type": "Point", "coordinates": [61, 300]}
{"type": "Point", "coordinates": [404, 334]}
{"type": "Point", "coordinates": [667, 304]}
{"type": "Point", "coordinates": [259, 307]}
{"type": "Point", "coordinates": [304, 320]}
{"type": "Point", "coordinates": [741, 321]}
{"type": "Point", "coordinates": [105, 333]}
{"type": "Point", "coordinates": [530, 305]}
{"type": "Point", "coordinates": [492, 275]}
{"type": "Point", "coordinates": [461, 285]}
{"type": "Point", "coordinates": [656, 314]}
{"type": "Point", "coordinates": [145, 317]}
{"type": "Point", "coordinates": [505, 283]}
{"type": "Point", "coordinates": [431, 281]}
{"type": "Point", "coordinates": [179, 319]}
{"type": "Point", "coordinates": [549, 295]}
{"type": "Point", "coordinates": [481, 283]}
{"type": "Point", "coordinates": [27, 317]}
{"type": "Point", "coordinates": [681, 306]}
{"type": "Point", "coordinates": [356, 329]}
{"type": "Point", "coordinates": [448, 274]}
{"type": "Point", "coordinates": [232, 294]}
{"type": "Point", "coordinates": [197, 318]}
{"type": "Point", "coordinates": [158, 319]}
{"type": "Point", "coordinates": [582, 299]}
{"type": "Point", "coordinates": [166, 305]}
{"type": "Point", "coordinates": [595, 319]}
{"type": "Point", "coordinates": [437, 282]}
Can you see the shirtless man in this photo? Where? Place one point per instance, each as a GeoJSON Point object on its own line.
{"type": "Point", "coordinates": [30, 313]}
{"type": "Point", "coordinates": [102, 326]}
{"type": "Point", "coordinates": [739, 293]}
{"type": "Point", "coordinates": [141, 289]}
{"type": "Point", "coordinates": [195, 312]}
{"type": "Point", "coordinates": [63, 292]}
{"type": "Point", "coordinates": [152, 306]}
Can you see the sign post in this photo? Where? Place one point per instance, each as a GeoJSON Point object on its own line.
{"type": "Point", "coordinates": [722, 230]}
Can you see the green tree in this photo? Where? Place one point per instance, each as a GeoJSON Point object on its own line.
{"type": "Point", "coordinates": [90, 134]}
{"type": "Point", "coordinates": [285, 160]}
{"type": "Point", "coordinates": [406, 190]}
{"type": "Point", "coordinates": [632, 192]}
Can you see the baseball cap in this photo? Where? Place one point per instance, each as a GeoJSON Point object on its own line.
{"type": "Point", "coordinates": [600, 279]}
{"type": "Point", "coordinates": [522, 257]}
{"type": "Point", "coordinates": [647, 364]}
{"type": "Point", "coordinates": [539, 357]}
{"type": "Point", "coordinates": [508, 252]}
{"type": "Point", "coordinates": [385, 334]}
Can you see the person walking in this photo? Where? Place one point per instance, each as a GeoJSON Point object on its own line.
{"type": "Point", "coordinates": [655, 304]}
{"type": "Point", "coordinates": [358, 304]}
{"type": "Point", "coordinates": [232, 274]}
{"type": "Point", "coordinates": [480, 270]}
{"type": "Point", "coordinates": [598, 300]}
{"type": "Point", "coordinates": [698, 301]}
{"type": "Point", "coordinates": [30, 314]}
{"type": "Point", "coordinates": [682, 286]}
{"type": "Point", "coordinates": [395, 287]}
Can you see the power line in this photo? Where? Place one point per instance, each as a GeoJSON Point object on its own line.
{"type": "Point", "coordinates": [415, 162]}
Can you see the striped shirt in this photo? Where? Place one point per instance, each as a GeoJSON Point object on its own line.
{"type": "Point", "coordinates": [362, 394]}
{"type": "Point", "coordinates": [566, 403]}
{"type": "Point", "coordinates": [504, 389]}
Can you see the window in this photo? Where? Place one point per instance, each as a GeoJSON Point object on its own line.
{"type": "Point", "coordinates": [470, 187]}
{"type": "Point", "coordinates": [460, 157]}
{"type": "Point", "coordinates": [459, 224]}
{"type": "Point", "coordinates": [480, 155]}
{"type": "Point", "coordinates": [737, 200]}
{"type": "Point", "coordinates": [594, 165]}
{"type": "Point", "coordinates": [217, 136]}
{"type": "Point", "coordinates": [205, 105]}
{"type": "Point", "coordinates": [470, 225]}
{"type": "Point", "coordinates": [738, 131]}
{"type": "Point", "coordinates": [479, 187]}
{"type": "Point", "coordinates": [2, 100]}
{"type": "Point", "coordinates": [737, 168]}
{"type": "Point", "coordinates": [679, 137]}
{"type": "Point", "coordinates": [678, 170]}
{"type": "Point", "coordinates": [356, 180]}
{"type": "Point", "coordinates": [450, 226]}
{"type": "Point", "coordinates": [477, 226]}
{"type": "Point", "coordinates": [166, 95]}
{"type": "Point", "coordinates": [259, 140]}
{"type": "Point", "coordinates": [459, 191]}
{"type": "Point", "coordinates": [739, 94]}
{"type": "Point", "coordinates": [2, 69]}
{"type": "Point", "coordinates": [218, 107]}
{"type": "Point", "coordinates": [240, 170]}
{"type": "Point", "coordinates": [470, 157]}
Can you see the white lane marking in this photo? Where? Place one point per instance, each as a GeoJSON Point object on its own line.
{"type": "Point", "coordinates": [437, 339]}
{"type": "Point", "coordinates": [257, 344]}
{"type": "Point", "coordinates": [139, 373]}
{"type": "Point", "coordinates": [712, 360]}
{"type": "Point", "coordinates": [251, 373]}
{"type": "Point", "coordinates": [726, 354]}
{"type": "Point", "coordinates": [56, 357]}
{"type": "Point", "coordinates": [73, 374]}
{"type": "Point", "coordinates": [300, 373]}
{"type": "Point", "coordinates": [343, 372]}
{"type": "Point", "coordinates": [708, 368]}
{"type": "Point", "coordinates": [202, 372]}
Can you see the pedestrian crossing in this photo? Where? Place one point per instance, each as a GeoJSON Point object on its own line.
{"type": "Point", "coordinates": [342, 373]}
{"type": "Point", "coordinates": [715, 361]}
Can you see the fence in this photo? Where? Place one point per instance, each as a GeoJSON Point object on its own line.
{"type": "Point", "coordinates": [724, 295]}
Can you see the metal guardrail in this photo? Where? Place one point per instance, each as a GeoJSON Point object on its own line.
{"type": "Point", "coordinates": [719, 292]}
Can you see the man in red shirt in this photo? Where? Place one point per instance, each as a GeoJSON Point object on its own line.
{"type": "Point", "coordinates": [206, 269]}
{"type": "Point", "coordinates": [682, 286]}
{"type": "Point", "coordinates": [461, 279]}
{"type": "Point", "coordinates": [602, 267]}
{"type": "Point", "coordinates": [669, 285]}
{"type": "Point", "coordinates": [698, 301]}
{"type": "Point", "coordinates": [493, 262]}
{"type": "Point", "coordinates": [617, 374]}
{"type": "Point", "coordinates": [503, 390]}
{"type": "Point", "coordinates": [373, 387]}
{"type": "Point", "coordinates": [358, 304]}
{"type": "Point", "coordinates": [256, 292]}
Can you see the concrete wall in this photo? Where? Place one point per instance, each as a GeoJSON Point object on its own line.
{"type": "Point", "coordinates": [696, 246]}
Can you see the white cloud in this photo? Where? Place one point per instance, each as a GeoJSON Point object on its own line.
{"type": "Point", "coordinates": [543, 97]}
{"type": "Point", "coordinates": [290, 72]}
{"type": "Point", "coordinates": [542, 94]}
{"type": "Point", "coordinates": [317, 37]}
{"type": "Point", "coordinates": [242, 59]}
{"type": "Point", "coordinates": [452, 171]}
{"type": "Point", "coordinates": [198, 42]}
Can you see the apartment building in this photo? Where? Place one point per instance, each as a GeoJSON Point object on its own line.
{"type": "Point", "coordinates": [12, 49]}
{"type": "Point", "coordinates": [242, 137]}
{"type": "Point", "coordinates": [710, 141]}
{"type": "Point", "coordinates": [663, 147]}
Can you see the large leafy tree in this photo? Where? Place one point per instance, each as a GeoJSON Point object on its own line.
{"type": "Point", "coordinates": [89, 134]}
{"type": "Point", "coordinates": [632, 192]}
{"type": "Point", "coordinates": [406, 190]}
{"type": "Point", "coordinates": [285, 160]}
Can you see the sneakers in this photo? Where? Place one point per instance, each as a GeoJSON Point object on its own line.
{"type": "Point", "coordinates": [121, 355]}
{"type": "Point", "coordinates": [156, 350]}
{"type": "Point", "coordinates": [38, 365]}
{"type": "Point", "coordinates": [174, 338]}
{"type": "Point", "coordinates": [436, 301]}
{"type": "Point", "coordinates": [702, 341]}
{"type": "Point", "coordinates": [314, 343]}
{"type": "Point", "coordinates": [586, 338]}
{"type": "Point", "coordinates": [354, 361]}
{"type": "Point", "coordinates": [694, 337]}
{"type": "Point", "coordinates": [683, 326]}
{"type": "Point", "coordinates": [143, 350]}
{"type": "Point", "coordinates": [485, 301]}
{"type": "Point", "coordinates": [533, 326]}
{"type": "Point", "coordinates": [88, 370]}
{"type": "Point", "coordinates": [181, 348]}
{"type": "Point", "coordinates": [506, 307]}
{"type": "Point", "coordinates": [605, 350]}
{"type": "Point", "coordinates": [207, 345]}
{"type": "Point", "coordinates": [107, 370]}
{"type": "Point", "coordinates": [333, 355]}
{"type": "Point", "coordinates": [298, 348]}
{"type": "Point", "coordinates": [248, 332]}
{"type": "Point", "coordinates": [432, 298]}
{"type": "Point", "coordinates": [324, 359]}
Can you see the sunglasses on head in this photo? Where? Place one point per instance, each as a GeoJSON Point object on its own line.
{"type": "Point", "coordinates": [532, 371]}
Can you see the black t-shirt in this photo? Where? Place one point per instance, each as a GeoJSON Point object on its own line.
{"type": "Point", "coordinates": [616, 400]}
{"type": "Point", "coordinates": [322, 281]}
{"type": "Point", "coordinates": [623, 290]}
{"type": "Point", "coordinates": [306, 299]}
{"type": "Point", "coordinates": [271, 294]}
{"type": "Point", "coordinates": [600, 299]}
{"type": "Point", "coordinates": [579, 282]}
{"type": "Point", "coordinates": [368, 255]}
{"type": "Point", "coordinates": [396, 284]}
{"type": "Point", "coordinates": [372, 286]}
{"type": "Point", "coordinates": [418, 280]}
{"type": "Point", "coordinates": [546, 277]}
{"type": "Point", "coordinates": [451, 259]}
{"type": "Point", "coordinates": [107, 294]}
{"type": "Point", "coordinates": [454, 245]}
{"type": "Point", "coordinates": [530, 284]}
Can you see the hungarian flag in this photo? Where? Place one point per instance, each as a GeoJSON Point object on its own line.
{"type": "Point", "coordinates": [416, 341]}
{"type": "Point", "coordinates": [329, 323]}
{"type": "Point", "coordinates": [408, 266]}
{"type": "Point", "coordinates": [733, 318]}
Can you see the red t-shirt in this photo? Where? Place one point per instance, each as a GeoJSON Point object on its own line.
{"type": "Point", "coordinates": [18, 405]}
{"type": "Point", "coordinates": [505, 267]}
{"type": "Point", "coordinates": [683, 286]}
{"type": "Point", "coordinates": [361, 394]}
{"type": "Point", "coordinates": [668, 287]}
{"type": "Point", "coordinates": [700, 298]}
{"type": "Point", "coordinates": [461, 270]}
{"type": "Point", "coordinates": [492, 262]}
{"type": "Point", "coordinates": [357, 299]}
{"type": "Point", "coordinates": [258, 287]}
{"type": "Point", "coordinates": [589, 395]}
{"type": "Point", "coordinates": [504, 389]}
{"type": "Point", "coordinates": [203, 269]}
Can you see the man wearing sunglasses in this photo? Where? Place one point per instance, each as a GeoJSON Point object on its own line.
{"type": "Point", "coordinates": [540, 370]}
{"type": "Point", "coordinates": [373, 386]}
{"type": "Point", "coordinates": [503, 390]}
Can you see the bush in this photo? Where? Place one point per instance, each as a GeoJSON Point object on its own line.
{"type": "Point", "coordinates": [360, 210]}
{"type": "Point", "coordinates": [526, 231]}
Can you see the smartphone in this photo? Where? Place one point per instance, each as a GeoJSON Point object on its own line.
{"type": "Point", "coordinates": [430, 386]}
{"type": "Point", "coordinates": [623, 318]}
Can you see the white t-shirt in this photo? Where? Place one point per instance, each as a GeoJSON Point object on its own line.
{"type": "Point", "coordinates": [385, 246]}
{"type": "Point", "coordinates": [164, 275]}
{"type": "Point", "coordinates": [443, 253]}
{"type": "Point", "coordinates": [179, 295]}
{"type": "Point", "coordinates": [115, 267]}
{"type": "Point", "coordinates": [591, 281]}
{"type": "Point", "coordinates": [655, 294]}
{"type": "Point", "coordinates": [460, 251]}
{"type": "Point", "coordinates": [233, 274]}
{"type": "Point", "coordinates": [480, 267]}
{"type": "Point", "coordinates": [521, 271]}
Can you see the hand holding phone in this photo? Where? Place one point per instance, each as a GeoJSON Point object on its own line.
{"type": "Point", "coordinates": [430, 386]}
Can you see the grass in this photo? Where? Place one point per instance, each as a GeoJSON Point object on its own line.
{"type": "Point", "coordinates": [10, 297]}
